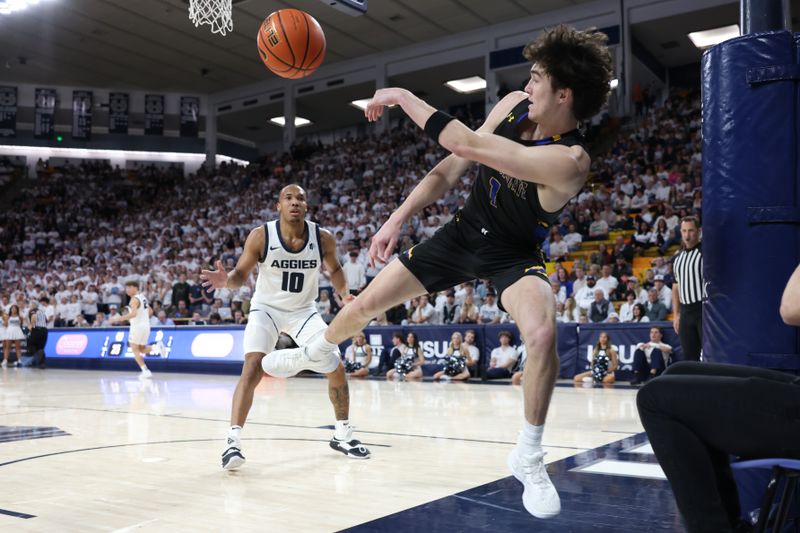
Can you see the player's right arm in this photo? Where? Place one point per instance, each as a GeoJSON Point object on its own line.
{"type": "Point", "coordinates": [253, 248]}
{"type": "Point", "coordinates": [438, 181]}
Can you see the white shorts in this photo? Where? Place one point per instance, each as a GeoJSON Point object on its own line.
{"type": "Point", "coordinates": [139, 334]}
{"type": "Point", "coordinates": [265, 323]}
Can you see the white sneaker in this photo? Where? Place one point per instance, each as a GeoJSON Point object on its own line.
{"type": "Point", "coordinates": [539, 496]}
{"type": "Point", "coordinates": [232, 457]}
{"type": "Point", "coordinates": [145, 374]}
{"type": "Point", "coordinates": [287, 363]}
{"type": "Point", "coordinates": [4, 364]}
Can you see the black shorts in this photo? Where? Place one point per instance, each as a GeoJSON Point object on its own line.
{"type": "Point", "coordinates": [459, 252]}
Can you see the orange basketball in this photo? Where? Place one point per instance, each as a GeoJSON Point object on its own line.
{"type": "Point", "coordinates": [291, 43]}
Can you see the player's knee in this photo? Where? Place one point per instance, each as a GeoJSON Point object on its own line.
{"type": "Point", "coordinates": [540, 339]}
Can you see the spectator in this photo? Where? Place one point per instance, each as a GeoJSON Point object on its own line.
{"type": "Point", "coordinates": [424, 313]}
{"type": "Point", "coordinates": [89, 299]}
{"type": "Point", "coordinates": [457, 361]}
{"type": "Point", "coordinates": [180, 291]}
{"type": "Point", "coordinates": [355, 272]}
{"type": "Point", "coordinates": [607, 282]}
{"type": "Point", "coordinates": [391, 354]}
{"type": "Point", "coordinates": [358, 356]}
{"type": "Point", "coordinates": [474, 352]}
{"type": "Point", "coordinates": [570, 312]}
{"type": "Point", "coordinates": [586, 296]}
{"type": "Point", "coordinates": [573, 239]}
{"type": "Point", "coordinates": [559, 249]}
{"type": "Point", "coordinates": [489, 312]}
{"type": "Point", "coordinates": [639, 313]}
{"type": "Point", "coordinates": [656, 311]}
{"type": "Point", "coordinates": [239, 318]}
{"type": "Point", "coordinates": [623, 249]}
{"type": "Point", "coordinates": [450, 309]}
{"type": "Point", "coordinates": [559, 292]}
{"type": "Point", "coordinates": [469, 312]}
{"type": "Point", "coordinates": [643, 238]}
{"type": "Point", "coordinates": [622, 270]}
{"type": "Point", "coordinates": [503, 358]}
{"type": "Point", "coordinates": [598, 229]}
{"type": "Point", "coordinates": [600, 307]}
{"type": "Point", "coordinates": [324, 306]}
{"type": "Point", "coordinates": [603, 364]}
{"type": "Point", "coordinates": [163, 320]}
{"type": "Point", "coordinates": [626, 309]}
{"type": "Point", "coordinates": [100, 320]}
{"type": "Point", "coordinates": [563, 279]}
{"type": "Point", "coordinates": [409, 366]}
{"type": "Point", "coordinates": [397, 314]}
{"type": "Point", "coordinates": [197, 319]}
{"type": "Point", "coordinates": [664, 292]}
{"type": "Point", "coordinates": [650, 358]}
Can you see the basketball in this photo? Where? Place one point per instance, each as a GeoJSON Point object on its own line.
{"type": "Point", "coordinates": [291, 43]}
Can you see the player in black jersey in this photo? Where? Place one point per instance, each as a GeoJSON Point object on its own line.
{"type": "Point", "coordinates": [532, 162]}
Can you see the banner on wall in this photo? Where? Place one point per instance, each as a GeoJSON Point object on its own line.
{"type": "Point", "coordinates": [183, 344]}
{"type": "Point", "coordinates": [190, 116]}
{"type": "Point", "coordinates": [154, 114]}
{"type": "Point", "coordinates": [82, 115]}
{"type": "Point", "coordinates": [118, 106]}
{"type": "Point", "coordinates": [8, 111]}
{"type": "Point", "coordinates": [44, 121]}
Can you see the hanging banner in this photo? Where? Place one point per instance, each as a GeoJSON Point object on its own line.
{"type": "Point", "coordinates": [82, 115]}
{"type": "Point", "coordinates": [190, 116]}
{"type": "Point", "coordinates": [8, 111]}
{"type": "Point", "coordinates": [154, 114]}
{"type": "Point", "coordinates": [118, 113]}
{"type": "Point", "coordinates": [44, 121]}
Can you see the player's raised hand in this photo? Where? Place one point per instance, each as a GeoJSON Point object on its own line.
{"type": "Point", "coordinates": [216, 279]}
{"type": "Point", "coordinates": [382, 98]}
{"type": "Point", "coordinates": [384, 242]}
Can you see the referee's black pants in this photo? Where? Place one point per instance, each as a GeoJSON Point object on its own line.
{"type": "Point", "coordinates": [37, 341]}
{"type": "Point", "coordinates": [690, 331]}
{"type": "Point", "coordinates": [698, 415]}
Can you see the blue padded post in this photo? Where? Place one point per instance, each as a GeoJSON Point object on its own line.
{"type": "Point", "coordinates": [751, 118]}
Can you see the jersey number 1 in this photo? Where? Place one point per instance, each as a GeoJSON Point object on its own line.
{"type": "Point", "coordinates": [292, 281]}
{"type": "Point", "coordinates": [495, 188]}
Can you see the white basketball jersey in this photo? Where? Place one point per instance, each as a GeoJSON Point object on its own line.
{"type": "Point", "coordinates": [287, 280]}
{"type": "Point", "coordinates": [142, 313]}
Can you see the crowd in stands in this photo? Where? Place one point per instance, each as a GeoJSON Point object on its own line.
{"type": "Point", "coordinates": [72, 241]}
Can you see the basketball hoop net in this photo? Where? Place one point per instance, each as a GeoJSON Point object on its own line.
{"type": "Point", "coordinates": [215, 13]}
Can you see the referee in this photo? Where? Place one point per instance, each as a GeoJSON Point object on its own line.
{"type": "Point", "coordinates": [688, 291]}
{"type": "Point", "coordinates": [38, 338]}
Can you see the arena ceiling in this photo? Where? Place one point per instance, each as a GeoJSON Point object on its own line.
{"type": "Point", "coordinates": [151, 45]}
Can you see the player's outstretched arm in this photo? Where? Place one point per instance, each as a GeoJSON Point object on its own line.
{"type": "Point", "coordinates": [253, 250]}
{"type": "Point", "coordinates": [557, 166]}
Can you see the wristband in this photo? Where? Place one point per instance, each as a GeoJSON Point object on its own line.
{"type": "Point", "coordinates": [436, 123]}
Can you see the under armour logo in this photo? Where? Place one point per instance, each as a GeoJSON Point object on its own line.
{"type": "Point", "coordinates": [231, 441]}
{"type": "Point", "coordinates": [485, 231]}
{"type": "Point", "coordinates": [311, 246]}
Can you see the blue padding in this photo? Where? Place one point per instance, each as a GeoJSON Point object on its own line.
{"type": "Point", "coordinates": [750, 181]}
{"type": "Point", "coordinates": [792, 464]}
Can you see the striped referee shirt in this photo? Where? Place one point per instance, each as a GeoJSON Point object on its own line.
{"type": "Point", "coordinates": [688, 270]}
{"type": "Point", "coordinates": [41, 319]}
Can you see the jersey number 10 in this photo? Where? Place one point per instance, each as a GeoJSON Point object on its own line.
{"type": "Point", "coordinates": [292, 281]}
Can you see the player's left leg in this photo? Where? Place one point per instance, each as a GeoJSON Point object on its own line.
{"type": "Point", "coordinates": [530, 303]}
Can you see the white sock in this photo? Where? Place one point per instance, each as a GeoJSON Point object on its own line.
{"type": "Point", "coordinates": [234, 432]}
{"type": "Point", "coordinates": [341, 429]}
{"type": "Point", "coordinates": [320, 346]}
{"type": "Point", "coordinates": [530, 438]}
{"type": "Point", "coordinates": [143, 367]}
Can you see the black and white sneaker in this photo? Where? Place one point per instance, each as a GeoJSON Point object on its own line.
{"type": "Point", "coordinates": [232, 457]}
{"type": "Point", "coordinates": [350, 447]}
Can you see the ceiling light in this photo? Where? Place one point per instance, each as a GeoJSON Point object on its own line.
{"type": "Point", "coordinates": [614, 83]}
{"type": "Point", "coordinates": [298, 121]}
{"type": "Point", "coordinates": [706, 38]}
{"type": "Point", "coordinates": [45, 153]}
{"type": "Point", "coordinates": [10, 6]}
{"type": "Point", "coordinates": [362, 104]}
{"type": "Point", "coordinates": [467, 85]}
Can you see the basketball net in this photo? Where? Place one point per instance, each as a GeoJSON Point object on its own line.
{"type": "Point", "coordinates": [215, 13]}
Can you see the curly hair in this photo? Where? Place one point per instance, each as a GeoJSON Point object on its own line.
{"type": "Point", "coordinates": [576, 60]}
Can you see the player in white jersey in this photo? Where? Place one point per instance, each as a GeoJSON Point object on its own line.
{"type": "Point", "coordinates": [138, 315]}
{"type": "Point", "coordinates": [288, 253]}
